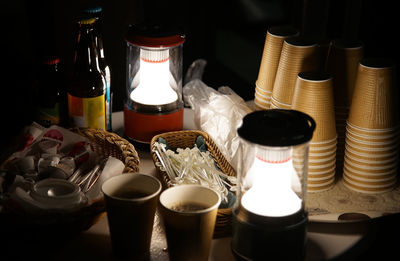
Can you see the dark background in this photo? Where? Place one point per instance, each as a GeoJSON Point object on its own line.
{"type": "Point", "coordinates": [229, 34]}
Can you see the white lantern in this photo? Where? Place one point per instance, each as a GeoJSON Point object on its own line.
{"type": "Point", "coordinates": [154, 82]}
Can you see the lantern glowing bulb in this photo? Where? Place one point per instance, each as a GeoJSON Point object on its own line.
{"type": "Point", "coordinates": [154, 76]}
{"type": "Point", "coordinates": [271, 187]}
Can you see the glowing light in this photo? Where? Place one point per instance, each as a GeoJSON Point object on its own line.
{"type": "Point", "coordinates": [154, 77]}
{"type": "Point", "coordinates": [271, 193]}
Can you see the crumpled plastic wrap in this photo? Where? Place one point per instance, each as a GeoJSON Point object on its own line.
{"type": "Point", "coordinates": [217, 112]}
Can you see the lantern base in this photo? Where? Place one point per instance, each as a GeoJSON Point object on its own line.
{"type": "Point", "coordinates": [142, 127]}
{"type": "Point", "coordinates": [271, 239]}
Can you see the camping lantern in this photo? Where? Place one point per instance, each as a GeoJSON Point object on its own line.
{"type": "Point", "coordinates": [269, 215]}
{"type": "Point", "coordinates": [154, 82]}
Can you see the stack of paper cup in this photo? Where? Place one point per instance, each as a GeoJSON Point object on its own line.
{"type": "Point", "coordinates": [298, 54]}
{"type": "Point", "coordinates": [343, 59]}
{"type": "Point", "coordinates": [372, 130]}
{"type": "Point", "coordinates": [314, 95]}
{"type": "Point", "coordinates": [269, 63]}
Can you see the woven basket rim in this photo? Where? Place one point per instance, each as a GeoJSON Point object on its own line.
{"type": "Point", "coordinates": [88, 215]}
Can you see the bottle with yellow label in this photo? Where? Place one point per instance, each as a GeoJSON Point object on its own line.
{"type": "Point", "coordinates": [87, 87]}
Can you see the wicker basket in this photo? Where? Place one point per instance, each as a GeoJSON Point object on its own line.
{"type": "Point", "coordinates": [68, 224]}
{"type": "Point", "coordinates": [187, 139]}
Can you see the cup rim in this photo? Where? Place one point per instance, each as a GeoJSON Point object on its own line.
{"type": "Point", "coordinates": [366, 155]}
{"type": "Point", "coordinates": [314, 76]}
{"type": "Point", "coordinates": [365, 190]}
{"type": "Point", "coordinates": [322, 172]}
{"type": "Point", "coordinates": [327, 175]}
{"type": "Point", "coordinates": [349, 167]}
{"type": "Point", "coordinates": [379, 149]}
{"type": "Point", "coordinates": [327, 159]}
{"type": "Point", "coordinates": [369, 130]}
{"type": "Point", "coordinates": [361, 166]}
{"type": "Point", "coordinates": [322, 166]}
{"type": "Point", "coordinates": [205, 210]}
{"type": "Point", "coordinates": [128, 175]}
{"type": "Point", "coordinates": [324, 141]}
{"type": "Point", "coordinates": [389, 184]}
{"type": "Point", "coordinates": [373, 143]}
{"type": "Point", "coordinates": [372, 137]}
{"type": "Point", "coordinates": [363, 179]}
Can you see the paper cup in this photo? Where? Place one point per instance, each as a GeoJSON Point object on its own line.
{"type": "Point", "coordinates": [322, 176]}
{"type": "Point", "coordinates": [352, 169]}
{"type": "Point", "coordinates": [373, 103]}
{"type": "Point", "coordinates": [371, 137]}
{"type": "Point", "coordinates": [365, 187]}
{"type": "Point", "coordinates": [271, 54]}
{"type": "Point", "coordinates": [261, 104]}
{"type": "Point", "coordinates": [298, 54]}
{"type": "Point", "coordinates": [367, 190]}
{"type": "Point", "coordinates": [371, 157]}
{"type": "Point", "coordinates": [373, 149]}
{"type": "Point", "coordinates": [369, 178]}
{"type": "Point", "coordinates": [189, 213]}
{"type": "Point", "coordinates": [377, 133]}
{"type": "Point", "coordinates": [343, 60]}
{"type": "Point", "coordinates": [320, 188]}
{"type": "Point", "coordinates": [369, 168]}
{"type": "Point", "coordinates": [323, 145]}
{"type": "Point", "coordinates": [372, 144]}
{"type": "Point", "coordinates": [314, 95]}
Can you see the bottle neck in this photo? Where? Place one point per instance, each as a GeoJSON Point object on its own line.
{"type": "Point", "coordinates": [86, 57]}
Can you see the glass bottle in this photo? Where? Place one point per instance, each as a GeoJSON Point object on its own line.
{"type": "Point", "coordinates": [87, 88]}
{"type": "Point", "coordinates": [96, 12]}
{"type": "Point", "coordinates": [50, 94]}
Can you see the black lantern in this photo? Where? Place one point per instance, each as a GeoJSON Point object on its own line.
{"type": "Point", "coordinates": [270, 220]}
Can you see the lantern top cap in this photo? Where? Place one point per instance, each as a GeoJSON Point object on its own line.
{"type": "Point", "coordinates": [154, 35]}
{"type": "Point", "coordinates": [277, 127]}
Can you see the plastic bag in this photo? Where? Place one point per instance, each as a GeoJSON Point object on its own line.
{"type": "Point", "coordinates": [217, 112]}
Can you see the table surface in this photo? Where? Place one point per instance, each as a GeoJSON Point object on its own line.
{"type": "Point", "coordinates": [325, 240]}
{"type": "Point", "coordinates": [323, 244]}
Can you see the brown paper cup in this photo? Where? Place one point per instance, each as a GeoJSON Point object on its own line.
{"type": "Point", "coordinates": [350, 169]}
{"type": "Point", "coordinates": [274, 39]}
{"type": "Point", "coordinates": [371, 138]}
{"type": "Point", "coordinates": [368, 168]}
{"type": "Point", "coordinates": [373, 103]}
{"type": "Point", "coordinates": [367, 190]}
{"type": "Point", "coordinates": [261, 104]}
{"type": "Point", "coordinates": [311, 188]}
{"type": "Point", "coordinates": [189, 214]}
{"type": "Point", "coordinates": [371, 188]}
{"type": "Point", "coordinates": [371, 156]}
{"type": "Point", "coordinates": [131, 202]}
{"type": "Point", "coordinates": [377, 133]}
{"type": "Point", "coordinates": [315, 173]}
{"type": "Point", "coordinates": [279, 105]}
{"type": "Point", "coordinates": [298, 54]}
{"type": "Point", "coordinates": [369, 178]}
{"type": "Point", "coordinates": [313, 95]}
{"type": "Point", "coordinates": [343, 60]}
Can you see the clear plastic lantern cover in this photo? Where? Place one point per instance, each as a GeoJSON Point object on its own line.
{"type": "Point", "coordinates": [273, 180]}
{"type": "Point", "coordinates": [154, 81]}
{"type": "Point", "coordinates": [272, 172]}
{"type": "Point", "coordinates": [269, 212]}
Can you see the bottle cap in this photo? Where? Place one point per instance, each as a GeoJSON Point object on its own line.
{"type": "Point", "coordinates": [87, 21]}
{"type": "Point", "coordinates": [51, 60]}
